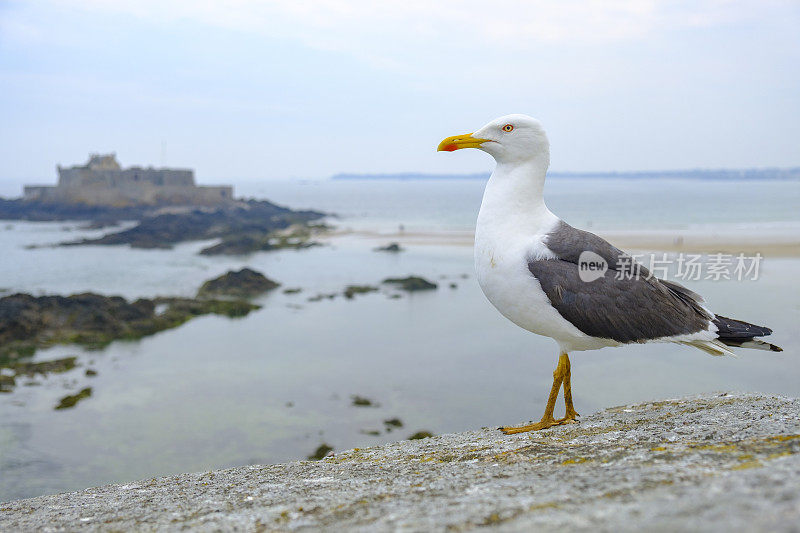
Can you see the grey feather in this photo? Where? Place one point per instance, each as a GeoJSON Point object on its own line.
{"type": "Point", "coordinates": [626, 304]}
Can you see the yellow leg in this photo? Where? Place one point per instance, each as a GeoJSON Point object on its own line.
{"type": "Point", "coordinates": [560, 375]}
{"type": "Point", "coordinates": [571, 413]}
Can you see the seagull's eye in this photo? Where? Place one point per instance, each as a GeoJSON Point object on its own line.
{"type": "Point", "coordinates": [508, 127]}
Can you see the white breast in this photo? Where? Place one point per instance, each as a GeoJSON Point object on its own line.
{"type": "Point", "coordinates": [504, 242]}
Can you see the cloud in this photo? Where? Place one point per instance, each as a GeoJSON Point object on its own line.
{"type": "Point", "coordinates": [670, 83]}
{"type": "Point", "coordinates": [395, 34]}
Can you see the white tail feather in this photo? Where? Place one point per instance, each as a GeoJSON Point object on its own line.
{"type": "Point", "coordinates": [713, 347]}
{"type": "Point", "coordinates": [758, 345]}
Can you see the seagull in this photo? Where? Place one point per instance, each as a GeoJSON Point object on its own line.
{"type": "Point", "coordinates": [568, 284]}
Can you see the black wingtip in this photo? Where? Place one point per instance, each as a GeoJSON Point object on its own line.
{"type": "Point", "coordinates": [774, 348]}
{"type": "Point", "coordinates": [732, 329]}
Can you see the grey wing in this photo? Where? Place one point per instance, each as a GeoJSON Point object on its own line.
{"type": "Point", "coordinates": [568, 243]}
{"type": "Point", "coordinates": [625, 310]}
{"type": "Point", "coordinates": [625, 304]}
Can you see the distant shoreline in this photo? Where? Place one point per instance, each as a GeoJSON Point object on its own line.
{"type": "Point", "coordinates": [783, 174]}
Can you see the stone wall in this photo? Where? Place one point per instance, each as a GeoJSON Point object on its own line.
{"type": "Point", "coordinates": [102, 182]}
{"type": "Point", "coordinates": [125, 195]}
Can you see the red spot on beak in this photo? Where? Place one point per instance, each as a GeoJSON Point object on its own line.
{"type": "Point", "coordinates": [450, 147]}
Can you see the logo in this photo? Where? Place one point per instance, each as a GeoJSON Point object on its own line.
{"type": "Point", "coordinates": [591, 266]}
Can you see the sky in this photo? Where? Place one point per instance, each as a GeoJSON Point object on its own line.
{"type": "Point", "coordinates": [246, 90]}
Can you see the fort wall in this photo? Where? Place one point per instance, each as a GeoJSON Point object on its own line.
{"type": "Point", "coordinates": [103, 182]}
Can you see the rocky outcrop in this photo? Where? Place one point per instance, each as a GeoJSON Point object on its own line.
{"type": "Point", "coordinates": [93, 320]}
{"type": "Point", "coordinates": [19, 209]}
{"type": "Point", "coordinates": [242, 227]}
{"type": "Point", "coordinates": [241, 244]}
{"type": "Point", "coordinates": [69, 401]}
{"type": "Point", "coordinates": [252, 223]}
{"type": "Point", "coordinates": [352, 290]}
{"type": "Point", "coordinates": [411, 283]}
{"type": "Point", "coordinates": [245, 283]}
{"type": "Point", "coordinates": [716, 462]}
{"type": "Point", "coordinates": [10, 371]}
{"type": "Point", "coordinates": [391, 247]}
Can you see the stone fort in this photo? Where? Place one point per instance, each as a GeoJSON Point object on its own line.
{"type": "Point", "coordinates": [102, 181]}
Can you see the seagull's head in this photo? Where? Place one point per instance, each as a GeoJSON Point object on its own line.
{"type": "Point", "coordinates": [509, 139]}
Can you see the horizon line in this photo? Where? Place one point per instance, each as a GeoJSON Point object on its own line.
{"type": "Point", "coordinates": [754, 172]}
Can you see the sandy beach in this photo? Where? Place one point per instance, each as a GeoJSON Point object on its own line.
{"type": "Point", "coordinates": [768, 245]}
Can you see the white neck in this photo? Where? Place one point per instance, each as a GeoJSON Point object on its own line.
{"type": "Point", "coordinates": [513, 201]}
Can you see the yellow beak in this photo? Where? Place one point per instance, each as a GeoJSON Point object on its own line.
{"type": "Point", "coordinates": [456, 142]}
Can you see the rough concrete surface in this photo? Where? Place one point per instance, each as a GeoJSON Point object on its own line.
{"type": "Point", "coordinates": [715, 462]}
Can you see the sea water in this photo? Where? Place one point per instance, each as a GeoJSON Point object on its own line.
{"type": "Point", "coordinates": [272, 386]}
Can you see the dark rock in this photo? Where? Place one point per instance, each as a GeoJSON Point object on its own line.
{"type": "Point", "coordinates": [320, 297]}
{"type": "Point", "coordinates": [360, 401]}
{"type": "Point", "coordinates": [243, 227]}
{"type": "Point", "coordinates": [91, 372]}
{"type": "Point", "coordinates": [420, 435]}
{"type": "Point", "coordinates": [92, 320]}
{"type": "Point", "coordinates": [56, 366]}
{"type": "Point", "coordinates": [70, 401]}
{"type": "Point", "coordinates": [7, 383]}
{"type": "Point", "coordinates": [293, 290]}
{"type": "Point", "coordinates": [19, 209]}
{"type": "Point", "coordinates": [412, 283]}
{"type": "Point", "coordinates": [240, 245]}
{"type": "Point", "coordinates": [100, 224]}
{"type": "Point", "coordinates": [321, 452]}
{"type": "Point", "coordinates": [393, 422]}
{"type": "Point", "coordinates": [454, 285]}
{"type": "Point", "coordinates": [258, 242]}
{"type": "Point", "coordinates": [352, 290]}
{"type": "Point", "coordinates": [186, 308]}
{"type": "Point", "coordinates": [392, 247]}
{"type": "Point", "coordinates": [245, 283]}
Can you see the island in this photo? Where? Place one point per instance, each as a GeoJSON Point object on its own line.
{"type": "Point", "coordinates": [103, 182]}
{"type": "Point", "coordinates": [28, 322]}
{"type": "Point", "coordinates": [168, 207]}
